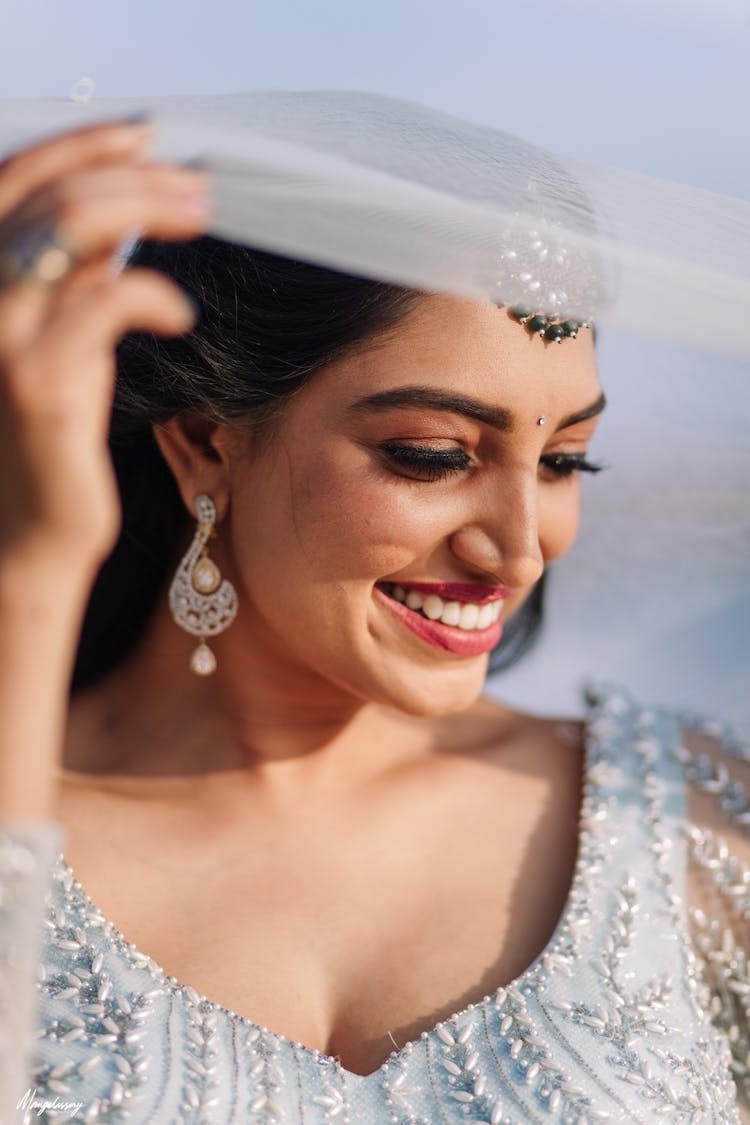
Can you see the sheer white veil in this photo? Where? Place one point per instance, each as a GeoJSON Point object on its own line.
{"type": "Point", "coordinates": [655, 592]}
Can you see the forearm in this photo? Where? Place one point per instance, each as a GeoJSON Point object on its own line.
{"type": "Point", "coordinates": [42, 602]}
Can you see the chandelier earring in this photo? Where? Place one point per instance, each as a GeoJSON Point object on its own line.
{"type": "Point", "coordinates": [202, 602]}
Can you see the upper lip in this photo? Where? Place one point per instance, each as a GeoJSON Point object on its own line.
{"type": "Point", "coordinates": [479, 593]}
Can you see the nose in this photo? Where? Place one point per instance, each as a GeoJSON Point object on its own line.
{"type": "Point", "coordinates": [501, 538]}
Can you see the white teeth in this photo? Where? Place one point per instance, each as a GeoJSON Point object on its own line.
{"type": "Point", "coordinates": [462, 615]}
{"type": "Point", "coordinates": [432, 607]}
{"type": "Point", "coordinates": [486, 616]}
{"type": "Point", "coordinates": [451, 614]}
{"type": "Point", "coordinates": [469, 616]}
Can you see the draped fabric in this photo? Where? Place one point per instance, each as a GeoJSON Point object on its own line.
{"type": "Point", "coordinates": [656, 591]}
{"type": "Point", "coordinates": [397, 191]}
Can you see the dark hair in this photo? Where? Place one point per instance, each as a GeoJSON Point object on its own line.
{"type": "Point", "coordinates": [267, 324]}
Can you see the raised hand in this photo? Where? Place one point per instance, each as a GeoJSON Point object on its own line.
{"type": "Point", "coordinates": [66, 204]}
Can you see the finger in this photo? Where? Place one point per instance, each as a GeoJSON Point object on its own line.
{"type": "Point", "coordinates": [29, 169]}
{"type": "Point", "coordinates": [100, 313]}
{"type": "Point", "coordinates": [85, 282]}
{"type": "Point", "coordinates": [97, 226]}
{"type": "Point", "coordinates": [23, 307]}
{"type": "Point", "coordinates": [93, 212]}
{"type": "Point", "coordinates": [110, 183]}
{"type": "Point", "coordinates": [67, 376]}
{"type": "Point", "coordinates": [87, 276]}
{"type": "Point", "coordinates": [32, 315]}
{"type": "Point", "coordinates": [40, 250]}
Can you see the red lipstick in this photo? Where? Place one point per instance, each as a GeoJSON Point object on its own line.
{"type": "Point", "coordinates": [459, 642]}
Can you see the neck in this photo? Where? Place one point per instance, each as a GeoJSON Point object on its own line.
{"type": "Point", "coordinates": [285, 730]}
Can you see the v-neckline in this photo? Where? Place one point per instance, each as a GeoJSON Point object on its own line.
{"type": "Point", "coordinates": [155, 971]}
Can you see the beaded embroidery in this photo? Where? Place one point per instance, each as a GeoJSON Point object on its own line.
{"type": "Point", "coordinates": [724, 958]}
{"type": "Point", "coordinates": [636, 1010]}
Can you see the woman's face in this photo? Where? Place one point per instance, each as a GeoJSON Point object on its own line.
{"type": "Point", "coordinates": [415, 473]}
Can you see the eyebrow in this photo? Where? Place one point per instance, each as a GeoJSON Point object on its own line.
{"type": "Point", "coordinates": [427, 398]}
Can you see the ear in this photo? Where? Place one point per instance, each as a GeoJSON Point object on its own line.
{"type": "Point", "coordinates": [197, 452]}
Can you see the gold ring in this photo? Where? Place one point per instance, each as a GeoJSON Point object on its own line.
{"type": "Point", "coordinates": [35, 254]}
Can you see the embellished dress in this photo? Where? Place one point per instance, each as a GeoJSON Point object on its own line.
{"type": "Point", "coordinates": [636, 1010]}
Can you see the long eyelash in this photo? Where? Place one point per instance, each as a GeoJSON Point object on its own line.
{"type": "Point", "coordinates": [435, 464]}
{"type": "Point", "coordinates": [432, 464]}
{"type": "Point", "coordinates": [565, 464]}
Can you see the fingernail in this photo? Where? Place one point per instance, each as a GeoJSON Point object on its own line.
{"type": "Point", "coordinates": [142, 117]}
{"type": "Point", "coordinates": [196, 164]}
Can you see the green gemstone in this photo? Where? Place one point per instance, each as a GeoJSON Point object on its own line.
{"type": "Point", "coordinates": [520, 312]}
{"type": "Point", "coordinates": [537, 323]}
{"type": "Point", "coordinates": [570, 327]}
{"type": "Point", "coordinates": [554, 332]}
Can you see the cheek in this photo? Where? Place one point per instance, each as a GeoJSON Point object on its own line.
{"type": "Point", "coordinates": [559, 517]}
{"type": "Point", "coordinates": [331, 524]}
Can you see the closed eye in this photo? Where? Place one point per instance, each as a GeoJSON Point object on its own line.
{"type": "Point", "coordinates": [422, 462]}
{"type": "Point", "coordinates": [565, 464]}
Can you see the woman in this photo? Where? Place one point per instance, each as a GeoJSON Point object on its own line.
{"type": "Point", "coordinates": [331, 881]}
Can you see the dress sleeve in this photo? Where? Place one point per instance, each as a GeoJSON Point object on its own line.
{"type": "Point", "coordinates": [717, 767]}
{"type": "Point", "coordinates": [27, 853]}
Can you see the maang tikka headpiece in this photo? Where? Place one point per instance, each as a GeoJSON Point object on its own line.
{"type": "Point", "coordinates": [547, 327]}
{"type": "Point", "coordinates": [543, 275]}
{"type": "Point", "coordinates": [202, 603]}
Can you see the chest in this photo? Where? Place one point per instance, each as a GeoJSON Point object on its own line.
{"type": "Point", "coordinates": [349, 932]}
{"type": "Point", "coordinates": [605, 1025]}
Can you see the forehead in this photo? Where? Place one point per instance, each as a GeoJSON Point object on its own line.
{"type": "Point", "coordinates": [473, 347]}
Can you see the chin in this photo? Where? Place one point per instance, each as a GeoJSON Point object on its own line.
{"type": "Point", "coordinates": [438, 671]}
{"type": "Point", "coordinates": [430, 693]}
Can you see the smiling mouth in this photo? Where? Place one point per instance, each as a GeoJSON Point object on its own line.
{"type": "Point", "coordinates": [469, 617]}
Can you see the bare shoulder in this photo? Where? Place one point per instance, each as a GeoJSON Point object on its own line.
{"type": "Point", "coordinates": [492, 724]}
{"type": "Point", "coordinates": [547, 751]}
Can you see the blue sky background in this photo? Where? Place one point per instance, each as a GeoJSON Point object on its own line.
{"type": "Point", "coordinates": [655, 86]}
{"type": "Point", "coordinates": [659, 86]}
